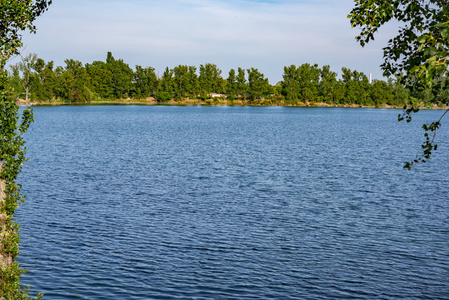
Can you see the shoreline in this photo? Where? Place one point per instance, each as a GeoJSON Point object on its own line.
{"type": "Point", "coordinates": [220, 102]}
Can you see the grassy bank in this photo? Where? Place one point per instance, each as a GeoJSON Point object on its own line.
{"type": "Point", "coordinates": [217, 102]}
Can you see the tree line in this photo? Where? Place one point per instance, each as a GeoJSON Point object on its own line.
{"type": "Point", "coordinates": [36, 80]}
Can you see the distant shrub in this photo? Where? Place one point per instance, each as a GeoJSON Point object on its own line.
{"type": "Point", "coordinates": [164, 97]}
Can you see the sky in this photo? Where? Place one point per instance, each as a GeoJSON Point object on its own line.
{"type": "Point", "coordinates": [262, 34]}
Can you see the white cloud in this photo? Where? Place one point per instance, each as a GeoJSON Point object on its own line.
{"type": "Point", "coordinates": [263, 34]}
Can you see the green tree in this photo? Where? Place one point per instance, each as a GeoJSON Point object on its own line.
{"type": "Point", "coordinates": [121, 76]}
{"type": "Point", "coordinates": [242, 86]}
{"type": "Point", "coordinates": [44, 81]}
{"type": "Point", "coordinates": [258, 85]}
{"type": "Point", "coordinates": [308, 77]}
{"type": "Point", "coordinates": [26, 68]}
{"type": "Point", "coordinates": [357, 88]}
{"type": "Point", "coordinates": [381, 93]}
{"type": "Point", "coordinates": [101, 79]}
{"type": "Point", "coordinates": [181, 81]}
{"type": "Point", "coordinates": [419, 51]}
{"type": "Point", "coordinates": [441, 89]}
{"type": "Point", "coordinates": [63, 84]}
{"type": "Point", "coordinates": [231, 85]}
{"type": "Point", "coordinates": [14, 83]}
{"type": "Point", "coordinates": [145, 82]}
{"type": "Point", "coordinates": [290, 84]}
{"type": "Point", "coordinates": [327, 85]}
{"type": "Point", "coordinates": [411, 48]}
{"type": "Point", "coordinates": [165, 89]}
{"type": "Point", "coordinates": [401, 94]}
{"type": "Point", "coordinates": [339, 92]}
{"type": "Point", "coordinates": [301, 83]}
{"type": "Point", "coordinates": [15, 17]}
{"type": "Point", "coordinates": [193, 82]}
{"type": "Point", "coordinates": [210, 80]}
{"type": "Point", "coordinates": [75, 83]}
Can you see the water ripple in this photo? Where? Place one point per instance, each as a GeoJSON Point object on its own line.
{"type": "Point", "coordinates": [248, 203]}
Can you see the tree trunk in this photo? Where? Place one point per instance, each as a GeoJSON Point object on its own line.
{"type": "Point", "coordinates": [27, 89]}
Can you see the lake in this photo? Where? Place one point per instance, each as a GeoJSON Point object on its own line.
{"type": "Point", "coordinates": [171, 202]}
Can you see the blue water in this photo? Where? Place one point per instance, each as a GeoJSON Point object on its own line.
{"type": "Point", "coordinates": [157, 202]}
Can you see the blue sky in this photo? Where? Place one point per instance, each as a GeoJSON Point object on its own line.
{"type": "Point", "coordinates": [263, 34]}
